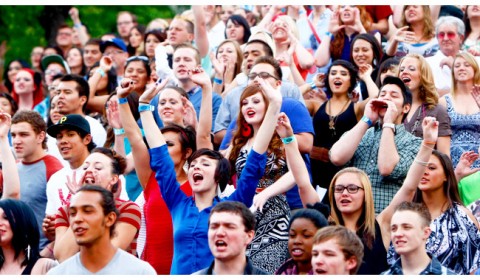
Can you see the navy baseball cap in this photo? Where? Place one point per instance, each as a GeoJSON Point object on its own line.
{"type": "Point", "coordinates": [116, 42]}
{"type": "Point", "coordinates": [73, 122]}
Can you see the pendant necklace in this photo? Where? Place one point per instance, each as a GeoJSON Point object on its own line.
{"type": "Point", "coordinates": [333, 119]}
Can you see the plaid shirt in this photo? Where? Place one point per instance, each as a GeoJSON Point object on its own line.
{"type": "Point", "coordinates": [366, 158]}
{"type": "Point", "coordinates": [433, 268]}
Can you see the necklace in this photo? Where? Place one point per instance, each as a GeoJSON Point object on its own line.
{"type": "Point", "coordinates": [333, 119]}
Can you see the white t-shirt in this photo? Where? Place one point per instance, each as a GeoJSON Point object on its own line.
{"type": "Point", "coordinates": [97, 131]}
{"type": "Point", "coordinates": [122, 263]}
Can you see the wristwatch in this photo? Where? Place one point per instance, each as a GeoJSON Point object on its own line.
{"type": "Point", "coordinates": [389, 125]}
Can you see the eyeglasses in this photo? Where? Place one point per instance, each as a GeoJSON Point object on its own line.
{"type": "Point", "coordinates": [450, 35]}
{"type": "Point", "coordinates": [351, 188]}
{"type": "Point", "coordinates": [64, 34]}
{"type": "Point", "coordinates": [138, 57]}
{"type": "Point", "coordinates": [263, 75]}
{"type": "Point", "coordinates": [53, 72]}
{"type": "Point", "coordinates": [124, 22]}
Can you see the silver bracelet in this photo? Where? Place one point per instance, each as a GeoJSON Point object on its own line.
{"type": "Point", "coordinates": [424, 163]}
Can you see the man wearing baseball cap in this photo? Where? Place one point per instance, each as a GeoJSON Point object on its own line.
{"type": "Point", "coordinates": [74, 142]}
{"type": "Point", "coordinates": [117, 50]}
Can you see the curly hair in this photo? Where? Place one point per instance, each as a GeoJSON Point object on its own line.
{"type": "Point", "coordinates": [239, 140]}
{"type": "Point", "coordinates": [427, 91]}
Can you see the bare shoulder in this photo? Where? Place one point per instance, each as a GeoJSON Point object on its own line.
{"type": "Point", "coordinates": [470, 215]}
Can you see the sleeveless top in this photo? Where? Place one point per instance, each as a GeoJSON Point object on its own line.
{"type": "Point", "coordinates": [323, 172]}
{"type": "Point", "coordinates": [269, 248]}
{"type": "Point", "coordinates": [158, 251]}
{"type": "Point", "coordinates": [374, 259]}
{"type": "Point", "coordinates": [465, 132]}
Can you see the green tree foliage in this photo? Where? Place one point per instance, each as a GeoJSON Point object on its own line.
{"type": "Point", "coordinates": [24, 27]}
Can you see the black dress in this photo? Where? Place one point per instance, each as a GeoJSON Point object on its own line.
{"type": "Point", "coordinates": [323, 172]}
{"type": "Point", "coordinates": [374, 259]}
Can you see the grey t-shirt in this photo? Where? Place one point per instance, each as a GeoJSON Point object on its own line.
{"type": "Point", "coordinates": [122, 263]}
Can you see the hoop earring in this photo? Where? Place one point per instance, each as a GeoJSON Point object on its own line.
{"type": "Point", "coordinates": [246, 130]}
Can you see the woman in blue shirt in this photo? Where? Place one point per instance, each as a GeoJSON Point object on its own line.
{"type": "Point", "coordinates": [207, 169]}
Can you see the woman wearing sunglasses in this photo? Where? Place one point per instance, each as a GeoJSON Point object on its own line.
{"type": "Point", "coordinates": [351, 196]}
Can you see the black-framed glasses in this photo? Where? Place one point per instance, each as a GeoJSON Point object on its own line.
{"type": "Point", "coordinates": [138, 57]}
{"type": "Point", "coordinates": [351, 188]}
{"type": "Point", "coordinates": [263, 75]}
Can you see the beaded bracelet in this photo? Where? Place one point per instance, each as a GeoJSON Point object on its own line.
{"type": "Point", "coordinates": [288, 140]}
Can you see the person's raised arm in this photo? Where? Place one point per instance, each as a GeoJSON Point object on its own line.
{"type": "Point", "coordinates": [152, 132]}
{"type": "Point", "coordinates": [364, 73]}
{"type": "Point", "coordinates": [344, 149]}
{"type": "Point", "coordinates": [414, 175]}
{"type": "Point", "coordinates": [201, 78]}
{"type": "Point", "coordinates": [388, 156]}
{"type": "Point", "coordinates": [295, 162]}
{"type": "Point", "coordinates": [11, 179]}
{"type": "Point", "coordinates": [401, 35]}
{"type": "Point", "coordinates": [78, 26]}
{"type": "Point", "coordinates": [267, 128]}
{"type": "Point", "coordinates": [200, 30]}
{"type": "Point", "coordinates": [141, 158]}
{"type": "Point", "coordinates": [322, 55]}
{"type": "Point", "coordinates": [464, 166]}
{"type": "Point", "coordinates": [96, 103]}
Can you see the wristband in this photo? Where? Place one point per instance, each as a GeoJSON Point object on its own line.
{"type": "Point", "coordinates": [429, 142]}
{"type": "Point", "coordinates": [424, 163]}
{"type": "Point", "coordinates": [288, 140]}
{"type": "Point", "coordinates": [367, 121]}
{"type": "Point", "coordinates": [78, 25]}
{"type": "Point", "coordinates": [122, 100]}
{"type": "Point", "coordinates": [143, 102]}
{"type": "Point", "coordinates": [145, 107]}
{"type": "Point", "coordinates": [119, 131]}
{"type": "Point", "coordinates": [101, 72]}
{"type": "Point", "coordinates": [389, 125]}
{"type": "Point", "coordinates": [313, 85]}
{"type": "Point", "coordinates": [217, 81]}
{"type": "Point", "coordinates": [329, 35]}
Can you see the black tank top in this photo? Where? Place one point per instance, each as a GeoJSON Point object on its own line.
{"type": "Point", "coordinates": [323, 134]}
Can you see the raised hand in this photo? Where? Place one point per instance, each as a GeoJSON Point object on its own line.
{"type": "Point", "coordinates": [284, 128]}
{"type": "Point", "coordinates": [72, 184]}
{"type": "Point", "coordinates": [357, 25]}
{"type": "Point", "coordinates": [125, 87]}
{"type": "Point", "coordinates": [430, 129]}
{"type": "Point", "coordinates": [190, 117]}
{"type": "Point", "coordinates": [273, 95]}
{"type": "Point", "coordinates": [5, 124]}
{"type": "Point", "coordinates": [74, 14]}
{"type": "Point", "coordinates": [106, 63]}
{"type": "Point", "coordinates": [372, 109]}
{"type": "Point", "coordinates": [476, 94]}
{"type": "Point", "coordinates": [392, 112]}
{"type": "Point", "coordinates": [403, 35]}
{"type": "Point", "coordinates": [365, 71]}
{"type": "Point", "coordinates": [218, 65]}
{"type": "Point", "coordinates": [334, 24]}
{"type": "Point", "coordinates": [200, 77]}
{"type": "Point", "coordinates": [113, 114]}
{"type": "Point", "coordinates": [151, 91]}
{"type": "Point", "coordinates": [464, 166]}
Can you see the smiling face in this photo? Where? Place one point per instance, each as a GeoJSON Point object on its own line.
{"type": "Point", "coordinates": [409, 73]}
{"type": "Point", "coordinates": [462, 70]}
{"type": "Point", "coordinates": [339, 79]}
{"type": "Point", "coordinates": [253, 109]}
{"type": "Point", "coordinates": [349, 203]}
{"type": "Point", "coordinates": [201, 175]}
{"type": "Point", "coordinates": [449, 40]}
{"type": "Point", "coordinates": [98, 171]}
{"type": "Point", "coordinates": [6, 233]}
{"type": "Point", "coordinates": [136, 71]}
{"type": "Point", "coordinates": [227, 236]}
{"type": "Point", "coordinates": [71, 146]}
{"type": "Point", "coordinates": [91, 54]}
{"type": "Point", "coordinates": [170, 107]}
{"type": "Point", "coordinates": [329, 259]}
{"type": "Point", "coordinates": [235, 31]}
{"type": "Point", "coordinates": [280, 30]}
{"type": "Point", "coordinates": [408, 232]}
{"type": "Point", "coordinates": [300, 239]}
{"type": "Point", "coordinates": [24, 83]}
{"type": "Point", "coordinates": [362, 53]}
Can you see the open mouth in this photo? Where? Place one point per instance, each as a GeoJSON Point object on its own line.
{"type": "Point", "coordinates": [89, 179]}
{"type": "Point", "coordinates": [320, 271]}
{"type": "Point", "coordinates": [406, 80]}
{"type": "Point", "coordinates": [197, 177]}
{"type": "Point", "coordinates": [337, 83]}
{"type": "Point", "coordinates": [221, 244]}
{"type": "Point", "coordinates": [250, 113]}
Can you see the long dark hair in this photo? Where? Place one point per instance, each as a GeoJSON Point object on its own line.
{"type": "Point", "coordinates": [238, 19]}
{"type": "Point", "coordinates": [351, 70]}
{"type": "Point", "coordinates": [26, 233]}
{"type": "Point", "coordinates": [7, 82]}
{"type": "Point", "coordinates": [450, 186]}
{"type": "Point", "coordinates": [376, 48]}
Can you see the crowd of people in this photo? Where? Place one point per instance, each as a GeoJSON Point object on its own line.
{"type": "Point", "coordinates": [246, 139]}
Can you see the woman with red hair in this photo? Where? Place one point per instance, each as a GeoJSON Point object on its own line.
{"type": "Point", "coordinates": [27, 89]}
